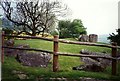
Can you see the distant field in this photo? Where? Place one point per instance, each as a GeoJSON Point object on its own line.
{"type": "Point", "coordinates": [66, 63]}
{"type": "Point", "coordinates": [103, 38]}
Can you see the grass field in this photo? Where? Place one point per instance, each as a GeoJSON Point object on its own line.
{"type": "Point", "coordinates": [66, 63]}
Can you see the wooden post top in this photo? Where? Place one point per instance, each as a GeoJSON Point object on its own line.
{"type": "Point", "coordinates": [56, 37]}
{"type": "Point", "coordinates": [114, 43]}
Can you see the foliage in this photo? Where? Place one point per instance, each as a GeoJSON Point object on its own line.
{"type": "Point", "coordinates": [71, 29]}
{"type": "Point", "coordinates": [6, 27]}
{"type": "Point", "coordinates": [54, 32]}
{"type": "Point", "coordinates": [7, 31]}
{"type": "Point", "coordinates": [115, 37]}
{"type": "Point", "coordinates": [33, 17]}
{"type": "Point", "coordinates": [63, 28]}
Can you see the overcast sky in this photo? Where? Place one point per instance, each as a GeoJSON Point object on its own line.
{"type": "Point", "coordinates": [98, 16]}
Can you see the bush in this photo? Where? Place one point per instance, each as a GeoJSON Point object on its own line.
{"type": "Point", "coordinates": [72, 29]}
{"type": "Point", "coordinates": [115, 37]}
{"type": "Point", "coordinates": [8, 31]}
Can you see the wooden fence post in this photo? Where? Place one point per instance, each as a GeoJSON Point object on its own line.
{"type": "Point", "coordinates": [55, 55]}
{"type": "Point", "coordinates": [114, 61]}
{"type": "Point", "coordinates": [2, 56]}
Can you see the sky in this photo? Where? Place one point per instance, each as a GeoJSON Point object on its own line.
{"type": "Point", "coordinates": [98, 16]}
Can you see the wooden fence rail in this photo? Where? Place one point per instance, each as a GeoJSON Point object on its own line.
{"type": "Point", "coordinates": [28, 37]}
{"type": "Point", "coordinates": [82, 55]}
{"type": "Point", "coordinates": [89, 44]}
{"type": "Point", "coordinates": [64, 54]}
{"type": "Point", "coordinates": [65, 41]}
{"type": "Point", "coordinates": [56, 54]}
{"type": "Point", "coordinates": [29, 49]}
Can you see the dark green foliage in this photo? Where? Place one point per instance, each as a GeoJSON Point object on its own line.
{"type": "Point", "coordinates": [8, 31]}
{"type": "Point", "coordinates": [71, 29]}
{"type": "Point", "coordinates": [115, 37]}
{"type": "Point", "coordinates": [63, 28]}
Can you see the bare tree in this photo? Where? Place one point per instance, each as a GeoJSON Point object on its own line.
{"type": "Point", "coordinates": [33, 17]}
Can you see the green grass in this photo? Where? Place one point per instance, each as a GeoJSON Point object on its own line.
{"type": "Point", "coordinates": [65, 62]}
{"type": "Point", "coordinates": [46, 45]}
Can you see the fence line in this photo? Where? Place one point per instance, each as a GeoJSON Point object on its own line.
{"type": "Point", "coordinates": [114, 61]}
{"type": "Point", "coordinates": [88, 43]}
{"type": "Point", "coordinates": [55, 52]}
{"type": "Point", "coordinates": [29, 49]}
{"type": "Point", "coordinates": [28, 37]}
{"type": "Point", "coordinates": [55, 55]}
{"type": "Point", "coordinates": [63, 54]}
{"type": "Point", "coordinates": [81, 55]}
{"type": "Point", "coordinates": [64, 41]}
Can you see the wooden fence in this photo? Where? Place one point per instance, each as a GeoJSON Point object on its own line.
{"type": "Point", "coordinates": [56, 54]}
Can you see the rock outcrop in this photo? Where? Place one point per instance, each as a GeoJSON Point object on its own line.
{"type": "Point", "coordinates": [34, 59]}
{"type": "Point", "coordinates": [9, 42]}
{"type": "Point", "coordinates": [90, 38]}
{"type": "Point", "coordinates": [14, 52]}
{"type": "Point", "coordinates": [93, 38]}
{"type": "Point", "coordinates": [93, 64]}
{"type": "Point", "coordinates": [83, 38]}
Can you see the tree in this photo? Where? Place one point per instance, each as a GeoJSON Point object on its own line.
{"type": "Point", "coordinates": [77, 28]}
{"type": "Point", "coordinates": [115, 37]}
{"type": "Point", "coordinates": [33, 17]}
{"type": "Point", "coordinates": [71, 29]}
{"type": "Point", "coordinates": [63, 28]}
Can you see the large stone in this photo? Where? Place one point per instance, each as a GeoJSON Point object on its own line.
{"type": "Point", "coordinates": [9, 42]}
{"type": "Point", "coordinates": [93, 64]}
{"type": "Point", "coordinates": [102, 61]}
{"type": "Point", "coordinates": [21, 75]}
{"type": "Point", "coordinates": [34, 59]}
{"type": "Point", "coordinates": [10, 52]}
{"type": "Point", "coordinates": [90, 67]}
{"type": "Point", "coordinates": [14, 52]}
{"type": "Point", "coordinates": [83, 38]}
{"type": "Point", "coordinates": [93, 38]}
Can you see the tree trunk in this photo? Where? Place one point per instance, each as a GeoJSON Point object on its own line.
{"type": "Point", "coordinates": [33, 33]}
{"type": "Point", "coordinates": [43, 32]}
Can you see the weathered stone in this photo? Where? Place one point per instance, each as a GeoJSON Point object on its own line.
{"type": "Point", "coordinates": [93, 64]}
{"type": "Point", "coordinates": [14, 52]}
{"type": "Point", "coordinates": [20, 74]}
{"type": "Point", "coordinates": [83, 38]}
{"type": "Point", "coordinates": [93, 38]}
{"type": "Point", "coordinates": [10, 52]}
{"type": "Point", "coordinates": [90, 67]}
{"type": "Point", "coordinates": [34, 59]}
{"type": "Point", "coordinates": [104, 62]}
{"type": "Point", "coordinates": [9, 42]}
